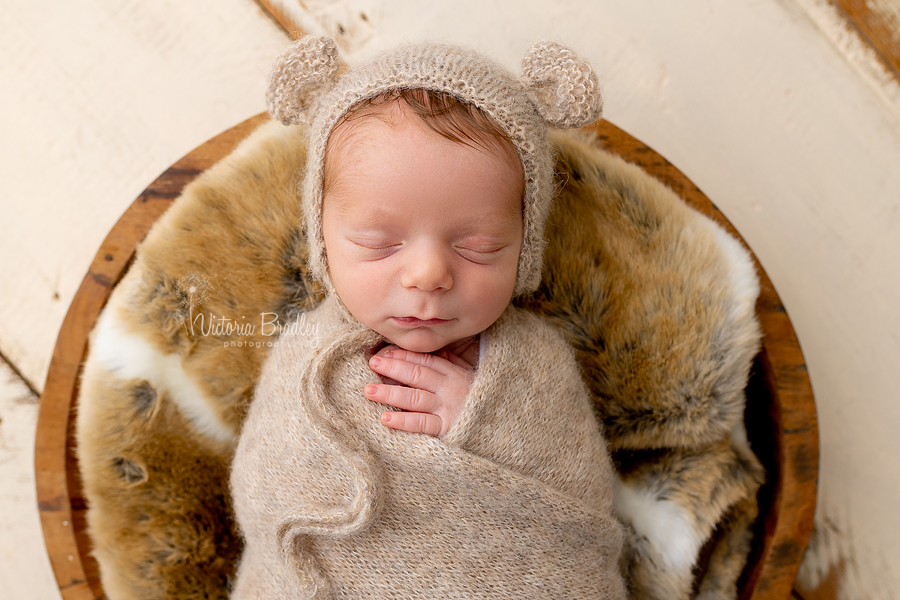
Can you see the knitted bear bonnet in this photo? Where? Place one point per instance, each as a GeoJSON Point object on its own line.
{"type": "Point", "coordinates": [557, 89]}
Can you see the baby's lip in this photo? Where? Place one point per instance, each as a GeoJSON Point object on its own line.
{"type": "Point", "coordinates": [413, 322]}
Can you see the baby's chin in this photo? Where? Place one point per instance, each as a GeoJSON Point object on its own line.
{"type": "Point", "coordinates": [417, 347]}
{"type": "Point", "coordinates": [424, 342]}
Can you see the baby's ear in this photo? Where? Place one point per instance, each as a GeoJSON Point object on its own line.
{"type": "Point", "coordinates": [561, 85]}
{"type": "Point", "coordinates": [303, 71]}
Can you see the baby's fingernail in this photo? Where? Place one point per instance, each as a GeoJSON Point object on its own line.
{"type": "Point", "coordinates": [385, 417]}
{"type": "Point", "coordinates": [371, 389]}
{"type": "Point", "coordinates": [375, 361]}
{"type": "Point", "coordinates": [389, 353]}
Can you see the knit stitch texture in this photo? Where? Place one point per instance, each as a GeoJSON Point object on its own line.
{"type": "Point", "coordinates": [514, 502]}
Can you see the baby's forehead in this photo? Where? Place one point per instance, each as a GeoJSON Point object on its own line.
{"type": "Point", "coordinates": [379, 122]}
{"type": "Point", "coordinates": [385, 153]}
{"type": "Point", "coordinates": [394, 170]}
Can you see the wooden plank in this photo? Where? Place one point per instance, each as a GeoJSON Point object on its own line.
{"type": "Point", "coordinates": [878, 27]}
{"type": "Point", "coordinates": [24, 567]}
{"type": "Point", "coordinates": [827, 588]}
{"type": "Point", "coordinates": [282, 16]}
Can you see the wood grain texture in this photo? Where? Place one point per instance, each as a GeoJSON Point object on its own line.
{"type": "Point", "coordinates": [780, 414]}
{"type": "Point", "coordinates": [25, 571]}
{"type": "Point", "coordinates": [827, 589]}
{"type": "Point", "coordinates": [877, 28]}
{"type": "Point", "coordinates": [278, 12]}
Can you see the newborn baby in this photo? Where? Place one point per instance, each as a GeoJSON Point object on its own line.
{"type": "Point", "coordinates": [435, 441]}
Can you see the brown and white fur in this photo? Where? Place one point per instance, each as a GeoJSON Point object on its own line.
{"type": "Point", "coordinates": [657, 301]}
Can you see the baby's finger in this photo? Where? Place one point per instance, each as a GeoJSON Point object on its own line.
{"type": "Point", "coordinates": [411, 399]}
{"type": "Point", "coordinates": [413, 374]}
{"type": "Point", "coordinates": [430, 361]}
{"type": "Point", "coordinates": [454, 359]}
{"type": "Point", "coordinates": [413, 422]}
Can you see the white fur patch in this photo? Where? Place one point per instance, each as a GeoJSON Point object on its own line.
{"type": "Point", "coordinates": [743, 279]}
{"type": "Point", "coordinates": [667, 526]}
{"type": "Point", "coordinates": [132, 357]}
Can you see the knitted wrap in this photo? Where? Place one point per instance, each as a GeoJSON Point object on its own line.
{"type": "Point", "coordinates": [558, 89]}
{"type": "Point", "coordinates": [334, 505]}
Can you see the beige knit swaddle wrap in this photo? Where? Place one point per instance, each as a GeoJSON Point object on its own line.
{"type": "Point", "coordinates": [514, 502]}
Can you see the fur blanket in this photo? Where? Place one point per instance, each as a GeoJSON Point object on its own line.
{"type": "Point", "coordinates": [515, 501]}
{"type": "Point", "coordinates": [657, 302]}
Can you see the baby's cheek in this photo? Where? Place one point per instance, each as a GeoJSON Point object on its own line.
{"type": "Point", "coordinates": [491, 300]}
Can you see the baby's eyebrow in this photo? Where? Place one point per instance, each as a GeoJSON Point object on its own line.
{"type": "Point", "coordinates": [369, 211]}
{"type": "Point", "coordinates": [488, 236]}
{"type": "Point", "coordinates": [496, 224]}
{"type": "Point", "coordinates": [374, 218]}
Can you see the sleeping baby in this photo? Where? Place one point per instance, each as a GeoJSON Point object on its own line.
{"type": "Point", "coordinates": [435, 441]}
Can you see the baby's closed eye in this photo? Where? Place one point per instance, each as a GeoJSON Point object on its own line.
{"type": "Point", "coordinates": [375, 247]}
{"type": "Point", "coordinates": [480, 253]}
{"type": "Point", "coordinates": [481, 248]}
{"type": "Point", "coordinates": [375, 243]}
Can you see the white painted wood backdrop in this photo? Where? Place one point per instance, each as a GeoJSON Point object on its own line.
{"type": "Point", "coordinates": [770, 106]}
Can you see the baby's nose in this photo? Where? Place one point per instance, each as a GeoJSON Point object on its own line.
{"type": "Point", "coordinates": [428, 271]}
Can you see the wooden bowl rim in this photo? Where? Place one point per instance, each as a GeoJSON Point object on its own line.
{"type": "Point", "coordinates": [787, 528]}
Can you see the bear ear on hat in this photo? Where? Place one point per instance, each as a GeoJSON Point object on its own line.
{"type": "Point", "coordinates": [561, 85]}
{"type": "Point", "coordinates": [309, 67]}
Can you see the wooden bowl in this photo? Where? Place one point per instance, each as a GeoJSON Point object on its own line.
{"type": "Point", "coordinates": [780, 415]}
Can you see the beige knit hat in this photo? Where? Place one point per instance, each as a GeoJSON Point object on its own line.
{"type": "Point", "coordinates": [557, 89]}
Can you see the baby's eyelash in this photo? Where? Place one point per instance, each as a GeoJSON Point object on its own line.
{"type": "Point", "coordinates": [375, 246]}
{"type": "Point", "coordinates": [480, 251]}
{"type": "Point", "coordinates": [479, 256]}
{"type": "Point", "coordinates": [379, 247]}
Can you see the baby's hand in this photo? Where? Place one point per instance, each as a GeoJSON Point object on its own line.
{"type": "Point", "coordinates": [438, 386]}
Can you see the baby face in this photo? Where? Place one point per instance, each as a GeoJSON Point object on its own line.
{"type": "Point", "coordinates": [422, 234]}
